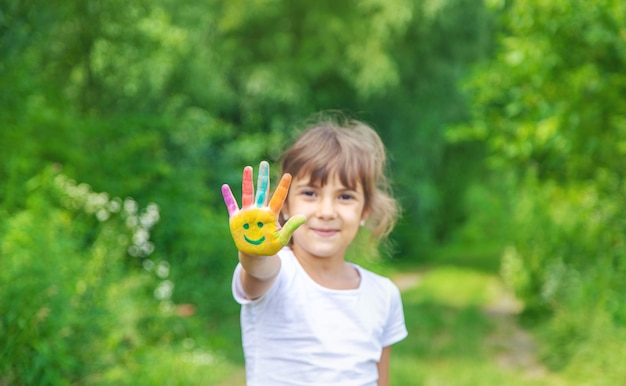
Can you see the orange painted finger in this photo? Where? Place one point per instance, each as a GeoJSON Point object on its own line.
{"type": "Point", "coordinates": [278, 198]}
{"type": "Point", "coordinates": [247, 188]}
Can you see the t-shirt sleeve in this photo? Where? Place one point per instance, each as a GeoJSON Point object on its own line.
{"type": "Point", "coordinates": [395, 329]}
{"type": "Point", "coordinates": [238, 294]}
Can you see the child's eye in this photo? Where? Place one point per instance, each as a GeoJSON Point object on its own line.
{"type": "Point", "coordinates": [308, 193]}
{"type": "Point", "coordinates": [346, 196]}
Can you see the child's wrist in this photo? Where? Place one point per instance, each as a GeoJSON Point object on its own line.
{"type": "Point", "coordinates": [259, 266]}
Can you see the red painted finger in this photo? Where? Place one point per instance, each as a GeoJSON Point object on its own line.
{"type": "Point", "coordinates": [247, 188]}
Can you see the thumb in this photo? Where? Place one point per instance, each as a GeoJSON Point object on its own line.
{"type": "Point", "coordinates": [290, 226]}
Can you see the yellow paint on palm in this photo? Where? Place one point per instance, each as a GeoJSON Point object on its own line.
{"type": "Point", "coordinates": [254, 226]}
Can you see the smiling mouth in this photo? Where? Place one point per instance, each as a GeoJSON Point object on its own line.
{"type": "Point", "coordinates": [326, 232]}
{"type": "Point", "coordinates": [254, 242]}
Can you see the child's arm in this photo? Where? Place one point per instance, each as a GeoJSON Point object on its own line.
{"type": "Point", "coordinates": [383, 367]}
{"type": "Point", "coordinates": [258, 274]}
{"type": "Point", "coordinates": [255, 231]}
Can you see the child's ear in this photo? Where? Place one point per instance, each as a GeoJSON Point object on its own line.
{"type": "Point", "coordinates": [365, 215]}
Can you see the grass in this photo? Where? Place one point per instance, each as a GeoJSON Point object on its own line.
{"type": "Point", "coordinates": [459, 335]}
{"type": "Point", "coordinates": [451, 337]}
{"type": "Point", "coordinates": [454, 339]}
{"type": "Point", "coordinates": [175, 366]}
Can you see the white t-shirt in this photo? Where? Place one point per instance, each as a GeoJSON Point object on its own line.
{"type": "Point", "coordinates": [301, 333]}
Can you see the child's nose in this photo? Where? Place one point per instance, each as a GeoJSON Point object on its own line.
{"type": "Point", "coordinates": [326, 208]}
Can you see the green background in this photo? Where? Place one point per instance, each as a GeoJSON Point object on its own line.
{"type": "Point", "coordinates": [505, 122]}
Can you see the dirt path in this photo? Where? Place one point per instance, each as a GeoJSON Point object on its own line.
{"type": "Point", "coordinates": [407, 280]}
{"type": "Point", "coordinates": [514, 347]}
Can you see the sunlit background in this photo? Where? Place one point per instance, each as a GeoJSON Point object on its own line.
{"type": "Point", "coordinates": [505, 122]}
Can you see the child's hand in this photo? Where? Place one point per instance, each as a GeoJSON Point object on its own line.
{"type": "Point", "coordinates": [254, 226]}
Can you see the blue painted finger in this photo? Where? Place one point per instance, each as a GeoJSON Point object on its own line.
{"type": "Point", "coordinates": [263, 183]}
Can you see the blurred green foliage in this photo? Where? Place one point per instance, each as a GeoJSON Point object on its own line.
{"type": "Point", "coordinates": [163, 101]}
{"type": "Point", "coordinates": [70, 309]}
{"type": "Point", "coordinates": [550, 106]}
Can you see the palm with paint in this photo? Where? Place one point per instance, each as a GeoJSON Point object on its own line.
{"type": "Point", "coordinates": [254, 227]}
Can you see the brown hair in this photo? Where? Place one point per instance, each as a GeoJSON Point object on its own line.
{"type": "Point", "coordinates": [355, 153]}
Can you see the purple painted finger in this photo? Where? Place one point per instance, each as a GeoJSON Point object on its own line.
{"type": "Point", "coordinates": [229, 200]}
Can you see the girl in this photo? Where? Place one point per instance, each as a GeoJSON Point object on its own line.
{"type": "Point", "coordinates": [309, 317]}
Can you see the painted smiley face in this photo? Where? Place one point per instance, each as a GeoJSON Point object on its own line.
{"type": "Point", "coordinates": [254, 231]}
{"type": "Point", "coordinates": [246, 226]}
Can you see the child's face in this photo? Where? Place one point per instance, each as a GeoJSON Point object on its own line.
{"type": "Point", "coordinates": [334, 213]}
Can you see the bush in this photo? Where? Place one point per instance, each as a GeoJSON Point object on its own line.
{"type": "Point", "coordinates": [71, 302]}
{"type": "Point", "coordinates": [550, 108]}
{"type": "Point", "coordinates": [569, 264]}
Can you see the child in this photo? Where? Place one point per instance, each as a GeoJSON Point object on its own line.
{"type": "Point", "coordinates": [309, 317]}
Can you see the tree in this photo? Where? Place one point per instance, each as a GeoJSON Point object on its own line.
{"type": "Point", "coordinates": [550, 106]}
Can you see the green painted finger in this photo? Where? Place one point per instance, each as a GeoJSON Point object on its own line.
{"type": "Point", "coordinates": [290, 226]}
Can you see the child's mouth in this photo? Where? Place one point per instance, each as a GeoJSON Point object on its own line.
{"type": "Point", "coordinates": [326, 232]}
